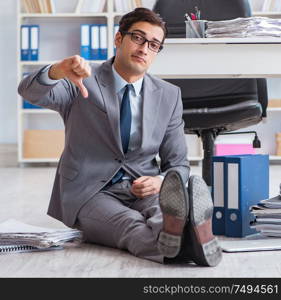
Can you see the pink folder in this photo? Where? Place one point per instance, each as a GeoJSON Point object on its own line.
{"type": "Point", "coordinates": [234, 149]}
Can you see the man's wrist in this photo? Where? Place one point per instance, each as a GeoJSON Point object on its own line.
{"type": "Point", "coordinates": [44, 77]}
{"type": "Point", "coordinates": [55, 72]}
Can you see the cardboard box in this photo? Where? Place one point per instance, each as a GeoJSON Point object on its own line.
{"type": "Point", "coordinates": [43, 143]}
{"type": "Point", "coordinates": [278, 143]}
{"type": "Point", "coordinates": [274, 103]}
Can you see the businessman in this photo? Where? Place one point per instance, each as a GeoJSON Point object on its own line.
{"type": "Point", "coordinates": [117, 120]}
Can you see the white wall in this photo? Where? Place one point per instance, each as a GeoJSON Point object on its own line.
{"type": "Point", "coordinates": [8, 72]}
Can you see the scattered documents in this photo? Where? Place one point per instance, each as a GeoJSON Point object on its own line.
{"type": "Point", "coordinates": [244, 27]}
{"type": "Point", "coordinates": [268, 217]}
{"type": "Point", "coordinates": [16, 236]}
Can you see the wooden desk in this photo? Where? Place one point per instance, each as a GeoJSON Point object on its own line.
{"type": "Point", "coordinates": [219, 58]}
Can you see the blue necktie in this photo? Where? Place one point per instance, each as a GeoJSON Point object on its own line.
{"type": "Point", "coordinates": [125, 128]}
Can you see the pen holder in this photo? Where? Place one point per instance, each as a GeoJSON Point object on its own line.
{"type": "Point", "coordinates": [195, 28]}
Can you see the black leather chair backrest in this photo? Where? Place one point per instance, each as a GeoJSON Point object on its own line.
{"type": "Point", "coordinates": [197, 93]}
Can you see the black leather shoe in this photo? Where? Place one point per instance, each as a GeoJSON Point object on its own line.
{"type": "Point", "coordinates": [173, 199]}
{"type": "Point", "coordinates": [200, 245]}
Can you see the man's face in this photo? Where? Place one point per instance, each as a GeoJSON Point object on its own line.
{"type": "Point", "coordinates": [133, 57]}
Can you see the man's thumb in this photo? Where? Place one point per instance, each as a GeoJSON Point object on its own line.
{"type": "Point", "coordinates": [82, 88]}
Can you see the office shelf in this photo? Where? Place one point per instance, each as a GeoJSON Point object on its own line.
{"type": "Point", "coordinates": [273, 109]}
{"type": "Point", "coordinates": [43, 63]}
{"type": "Point", "coordinates": [270, 14]}
{"type": "Point", "coordinates": [54, 45]}
{"type": "Point", "coordinates": [36, 111]}
{"type": "Point", "coordinates": [39, 160]}
{"type": "Point", "coordinates": [275, 157]}
{"type": "Point", "coordinates": [64, 15]}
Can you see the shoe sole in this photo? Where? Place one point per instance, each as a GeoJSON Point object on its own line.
{"type": "Point", "coordinates": [174, 206]}
{"type": "Point", "coordinates": [204, 247]}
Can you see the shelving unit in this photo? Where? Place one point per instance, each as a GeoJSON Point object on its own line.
{"type": "Point", "coordinates": [54, 45]}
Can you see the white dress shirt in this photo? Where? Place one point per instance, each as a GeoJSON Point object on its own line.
{"type": "Point", "coordinates": [136, 106]}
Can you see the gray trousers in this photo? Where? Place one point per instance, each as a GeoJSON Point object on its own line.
{"type": "Point", "coordinates": [116, 218]}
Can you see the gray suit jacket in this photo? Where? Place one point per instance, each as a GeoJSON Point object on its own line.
{"type": "Point", "coordinates": [93, 150]}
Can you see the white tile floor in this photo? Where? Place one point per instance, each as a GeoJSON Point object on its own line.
{"type": "Point", "coordinates": [24, 195]}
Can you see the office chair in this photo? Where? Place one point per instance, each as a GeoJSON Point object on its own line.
{"type": "Point", "coordinates": [214, 106]}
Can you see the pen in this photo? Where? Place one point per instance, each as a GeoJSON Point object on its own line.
{"type": "Point", "coordinates": [197, 13]}
{"type": "Point", "coordinates": [193, 17]}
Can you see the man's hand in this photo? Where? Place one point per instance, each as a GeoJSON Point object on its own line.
{"type": "Point", "coordinates": [74, 68]}
{"type": "Point", "coordinates": [146, 185]}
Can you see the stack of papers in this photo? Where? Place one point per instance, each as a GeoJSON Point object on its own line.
{"type": "Point", "coordinates": [244, 27]}
{"type": "Point", "coordinates": [16, 236]}
{"type": "Point", "coordinates": [268, 216]}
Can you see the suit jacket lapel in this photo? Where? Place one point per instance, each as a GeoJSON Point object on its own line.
{"type": "Point", "coordinates": [106, 80]}
{"type": "Point", "coordinates": [151, 102]}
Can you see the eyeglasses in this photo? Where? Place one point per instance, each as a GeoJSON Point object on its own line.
{"type": "Point", "coordinates": [140, 40]}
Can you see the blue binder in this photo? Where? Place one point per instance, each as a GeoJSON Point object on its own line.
{"type": "Point", "coordinates": [246, 182]}
{"type": "Point", "coordinates": [85, 41]}
{"type": "Point", "coordinates": [103, 42]}
{"type": "Point", "coordinates": [218, 195]}
{"type": "Point", "coordinates": [25, 103]}
{"type": "Point", "coordinates": [34, 41]}
{"type": "Point", "coordinates": [24, 42]}
{"type": "Point", "coordinates": [95, 42]}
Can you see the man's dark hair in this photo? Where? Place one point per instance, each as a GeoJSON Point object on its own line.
{"type": "Point", "coordinates": [141, 14]}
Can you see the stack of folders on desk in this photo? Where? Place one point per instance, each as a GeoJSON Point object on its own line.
{"type": "Point", "coordinates": [244, 27]}
{"type": "Point", "coordinates": [16, 236]}
{"type": "Point", "coordinates": [268, 217]}
{"type": "Point", "coordinates": [239, 182]}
